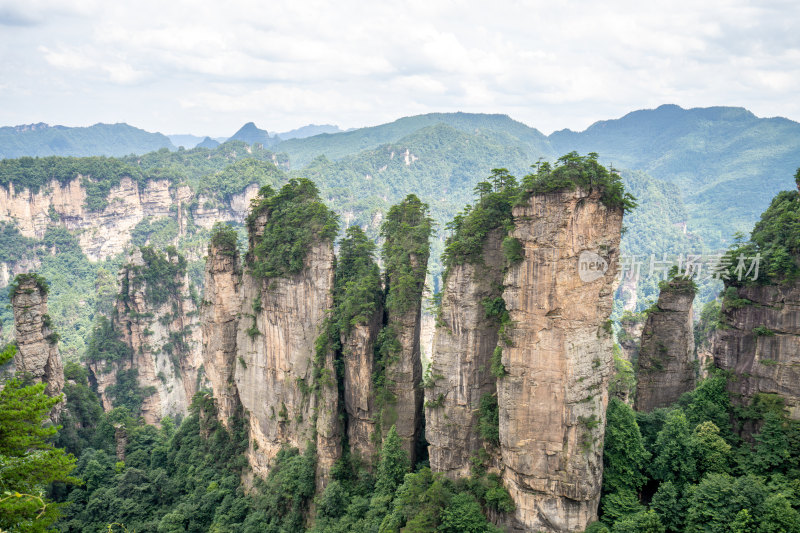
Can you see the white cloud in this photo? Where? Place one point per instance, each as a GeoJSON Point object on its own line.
{"type": "Point", "coordinates": [181, 66]}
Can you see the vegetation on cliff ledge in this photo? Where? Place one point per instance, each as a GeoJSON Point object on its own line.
{"type": "Point", "coordinates": [776, 237]}
{"type": "Point", "coordinates": [406, 231]}
{"type": "Point", "coordinates": [293, 219]}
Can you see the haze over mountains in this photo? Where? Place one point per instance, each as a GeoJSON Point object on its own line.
{"type": "Point", "coordinates": [726, 162]}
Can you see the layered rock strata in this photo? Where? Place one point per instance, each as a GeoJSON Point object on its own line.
{"type": "Point", "coordinates": [37, 353]}
{"type": "Point", "coordinates": [220, 324]}
{"type": "Point", "coordinates": [288, 401]}
{"type": "Point", "coordinates": [460, 373]}
{"type": "Point", "coordinates": [107, 232]}
{"type": "Point", "coordinates": [554, 394]}
{"type": "Point", "coordinates": [164, 338]}
{"type": "Point", "coordinates": [358, 355]}
{"type": "Point", "coordinates": [760, 343]}
{"type": "Point", "coordinates": [667, 365]}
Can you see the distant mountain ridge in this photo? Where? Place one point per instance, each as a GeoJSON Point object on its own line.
{"type": "Point", "coordinates": [251, 134]}
{"type": "Point", "coordinates": [309, 131]}
{"type": "Point", "coordinates": [100, 139]}
{"type": "Point", "coordinates": [726, 162]}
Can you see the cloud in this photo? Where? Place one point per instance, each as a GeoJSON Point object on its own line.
{"type": "Point", "coordinates": [553, 65]}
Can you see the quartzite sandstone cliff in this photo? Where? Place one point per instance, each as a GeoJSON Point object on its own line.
{"type": "Point", "coordinates": [667, 365]}
{"type": "Point", "coordinates": [760, 343]}
{"type": "Point", "coordinates": [553, 398]}
{"type": "Point", "coordinates": [164, 338]}
{"type": "Point", "coordinates": [460, 371]}
{"type": "Point", "coordinates": [280, 321]}
{"type": "Point", "coordinates": [220, 324]}
{"type": "Point", "coordinates": [37, 345]}
{"type": "Point", "coordinates": [358, 355]}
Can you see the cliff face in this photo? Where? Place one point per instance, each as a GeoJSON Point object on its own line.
{"type": "Point", "coordinates": [220, 323]}
{"type": "Point", "coordinates": [761, 343]}
{"type": "Point", "coordinates": [460, 367]}
{"type": "Point", "coordinates": [105, 233]}
{"type": "Point", "coordinates": [37, 345]}
{"type": "Point", "coordinates": [157, 319]}
{"type": "Point", "coordinates": [553, 398]}
{"type": "Point", "coordinates": [404, 378]}
{"type": "Point", "coordinates": [281, 319]}
{"type": "Point", "coordinates": [358, 355]}
{"type": "Point", "coordinates": [630, 337]}
{"type": "Point", "coordinates": [667, 365]}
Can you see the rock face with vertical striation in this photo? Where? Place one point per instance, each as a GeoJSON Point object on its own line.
{"type": "Point", "coordinates": [37, 345]}
{"type": "Point", "coordinates": [554, 394]}
{"type": "Point", "coordinates": [275, 346]}
{"type": "Point", "coordinates": [406, 249]}
{"type": "Point", "coordinates": [156, 317]}
{"type": "Point", "coordinates": [220, 324]}
{"type": "Point", "coordinates": [630, 336]}
{"type": "Point", "coordinates": [285, 379]}
{"type": "Point", "coordinates": [358, 355]}
{"type": "Point", "coordinates": [667, 364]}
{"type": "Point", "coordinates": [460, 367]}
{"type": "Point", "coordinates": [760, 344]}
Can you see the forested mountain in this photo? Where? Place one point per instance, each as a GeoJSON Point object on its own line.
{"type": "Point", "coordinates": [726, 162]}
{"type": "Point", "coordinates": [100, 139]}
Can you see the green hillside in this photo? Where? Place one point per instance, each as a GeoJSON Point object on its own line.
{"type": "Point", "coordinates": [727, 162]}
{"type": "Point", "coordinates": [101, 139]}
{"type": "Point", "coordinates": [335, 146]}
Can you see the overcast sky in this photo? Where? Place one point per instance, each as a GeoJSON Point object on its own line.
{"type": "Point", "coordinates": [207, 67]}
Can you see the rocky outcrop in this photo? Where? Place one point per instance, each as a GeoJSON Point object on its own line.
{"type": "Point", "coordinates": [288, 400]}
{"type": "Point", "coordinates": [406, 249]}
{"type": "Point", "coordinates": [460, 373]}
{"type": "Point", "coordinates": [630, 335]}
{"type": "Point", "coordinates": [358, 356]}
{"type": "Point", "coordinates": [667, 365]}
{"type": "Point", "coordinates": [37, 344]}
{"type": "Point", "coordinates": [157, 318]}
{"type": "Point", "coordinates": [554, 394]}
{"type": "Point", "coordinates": [220, 324]}
{"type": "Point", "coordinates": [760, 343]}
{"type": "Point", "coordinates": [107, 232]}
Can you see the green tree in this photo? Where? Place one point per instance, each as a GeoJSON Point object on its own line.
{"type": "Point", "coordinates": [406, 231]}
{"type": "Point", "coordinates": [673, 460]}
{"type": "Point", "coordinates": [642, 522]}
{"type": "Point", "coordinates": [624, 456]}
{"type": "Point", "coordinates": [463, 515]}
{"type": "Point", "coordinates": [712, 454]}
{"type": "Point", "coordinates": [778, 516]}
{"type": "Point", "coordinates": [669, 505]}
{"type": "Point", "coordinates": [28, 461]}
{"type": "Point", "coordinates": [393, 464]}
{"type": "Point", "coordinates": [772, 446]}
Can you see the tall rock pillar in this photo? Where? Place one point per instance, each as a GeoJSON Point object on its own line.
{"type": "Point", "coordinates": [286, 380]}
{"type": "Point", "coordinates": [220, 319]}
{"type": "Point", "coordinates": [406, 232]}
{"type": "Point", "coordinates": [558, 359]}
{"type": "Point", "coordinates": [37, 344]}
{"type": "Point", "coordinates": [460, 374]}
{"type": "Point", "coordinates": [667, 366]}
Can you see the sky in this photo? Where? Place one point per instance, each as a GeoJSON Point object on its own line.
{"type": "Point", "coordinates": [207, 67]}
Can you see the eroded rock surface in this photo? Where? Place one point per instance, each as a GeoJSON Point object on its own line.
{"type": "Point", "coordinates": [667, 365]}
{"type": "Point", "coordinates": [164, 338]}
{"type": "Point", "coordinates": [220, 323]}
{"type": "Point", "coordinates": [460, 368]}
{"type": "Point", "coordinates": [554, 395]}
{"type": "Point", "coordinates": [37, 344]}
{"type": "Point", "coordinates": [761, 344]}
